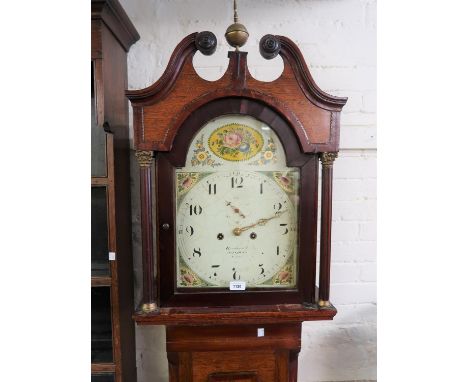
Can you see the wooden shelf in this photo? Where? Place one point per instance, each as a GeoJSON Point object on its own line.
{"type": "Point", "coordinates": [102, 368]}
{"type": "Point", "coordinates": [99, 181]}
{"type": "Point", "coordinates": [285, 313]}
{"type": "Point", "coordinates": [97, 281]}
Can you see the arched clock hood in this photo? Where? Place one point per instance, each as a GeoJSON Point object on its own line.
{"type": "Point", "coordinates": [160, 109]}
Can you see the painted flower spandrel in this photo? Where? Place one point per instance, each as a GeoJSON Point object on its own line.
{"type": "Point", "coordinates": [187, 183]}
{"type": "Point", "coordinates": [188, 278]}
{"type": "Point", "coordinates": [286, 181]}
{"type": "Point", "coordinates": [284, 276]}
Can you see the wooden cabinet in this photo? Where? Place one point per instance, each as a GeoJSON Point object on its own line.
{"type": "Point", "coordinates": [112, 328]}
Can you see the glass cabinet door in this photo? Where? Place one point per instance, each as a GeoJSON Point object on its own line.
{"type": "Point", "coordinates": [99, 233]}
{"type": "Point", "coordinates": [108, 377]}
{"type": "Point", "coordinates": [98, 135]}
{"type": "Point", "coordinates": [101, 325]}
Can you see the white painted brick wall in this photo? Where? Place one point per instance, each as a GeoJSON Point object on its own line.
{"type": "Point", "coordinates": [338, 41]}
{"type": "Point", "coordinates": [354, 251]}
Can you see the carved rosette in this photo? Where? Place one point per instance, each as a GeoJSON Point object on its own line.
{"type": "Point", "coordinates": [327, 159]}
{"type": "Point", "coordinates": [269, 46]}
{"type": "Point", "coordinates": [206, 42]}
{"type": "Point", "coordinates": [144, 158]}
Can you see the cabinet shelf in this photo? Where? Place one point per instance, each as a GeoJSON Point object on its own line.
{"type": "Point", "coordinates": [98, 281]}
{"type": "Point", "coordinates": [102, 368]}
{"type": "Point", "coordinates": [99, 181]}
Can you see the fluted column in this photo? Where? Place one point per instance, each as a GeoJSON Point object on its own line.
{"type": "Point", "coordinates": [327, 160]}
{"type": "Point", "coordinates": [145, 161]}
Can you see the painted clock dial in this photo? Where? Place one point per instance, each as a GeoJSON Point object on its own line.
{"type": "Point", "coordinates": [237, 208]}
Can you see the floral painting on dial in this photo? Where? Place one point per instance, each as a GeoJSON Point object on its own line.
{"type": "Point", "coordinates": [286, 180]}
{"type": "Point", "coordinates": [285, 276]}
{"type": "Point", "coordinates": [268, 154]}
{"type": "Point", "coordinates": [185, 181]}
{"type": "Point", "coordinates": [235, 142]}
{"type": "Point", "coordinates": [201, 156]}
{"type": "Point", "coordinates": [187, 277]}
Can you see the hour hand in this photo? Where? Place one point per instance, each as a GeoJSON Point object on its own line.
{"type": "Point", "coordinates": [235, 209]}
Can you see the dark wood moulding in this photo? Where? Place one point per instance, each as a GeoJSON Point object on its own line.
{"type": "Point", "coordinates": [238, 315]}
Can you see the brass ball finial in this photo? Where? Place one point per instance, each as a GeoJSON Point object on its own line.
{"type": "Point", "coordinates": [236, 34]}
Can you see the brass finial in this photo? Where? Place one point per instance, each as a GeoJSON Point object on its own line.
{"type": "Point", "coordinates": [236, 17]}
{"type": "Point", "coordinates": [236, 34]}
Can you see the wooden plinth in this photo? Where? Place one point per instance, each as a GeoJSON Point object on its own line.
{"type": "Point", "coordinates": [233, 353]}
{"type": "Point", "coordinates": [241, 343]}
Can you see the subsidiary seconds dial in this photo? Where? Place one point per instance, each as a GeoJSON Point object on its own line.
{"type": "Point", "coordinates": [236, 225]}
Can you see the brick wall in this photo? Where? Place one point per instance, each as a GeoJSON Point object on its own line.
{"type": "Point", "coordinates": [338, 41]}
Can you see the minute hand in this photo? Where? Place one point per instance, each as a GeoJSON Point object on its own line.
{"type": "Point", "coordinates": [263, 221]}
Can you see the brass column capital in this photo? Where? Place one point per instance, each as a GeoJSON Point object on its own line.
{"type": "Point", "coordinates": [327, 159]}
{"type": "Point", "coordinates": [149, 307]}
{"type": "Point", "coordinates": [144, 158]}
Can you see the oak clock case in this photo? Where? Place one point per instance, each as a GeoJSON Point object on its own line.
{"type": "Point", "coordinates": [235, 164]}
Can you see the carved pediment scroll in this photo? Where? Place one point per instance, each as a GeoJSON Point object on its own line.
{"type": "Point", "coordinates": [160, 109]}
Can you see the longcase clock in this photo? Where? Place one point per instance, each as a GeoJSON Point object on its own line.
{"type": "Point", "coordinates": [236, 166]}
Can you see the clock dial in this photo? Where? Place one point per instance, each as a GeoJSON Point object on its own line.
{"type": "Point", "coordinates": [236, 208]}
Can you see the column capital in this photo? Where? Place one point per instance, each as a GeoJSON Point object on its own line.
{"type": "Point", "coordinates": [144, 158]}
{"type": "Point", "coordinates": [149, 307]}
{"type": "Point", "coordinates": [328, 159]}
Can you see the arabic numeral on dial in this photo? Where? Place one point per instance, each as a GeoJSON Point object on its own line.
{"type": "Point", "coordinates": [262, 270]}
{"type": "Point", "coordinates": [286, 230]}
{"type": "Point", "coordinates": [237, 182]}
{"type": "Point", "coordinates": [215, 267]}
{"type": "Point", "coordinates": [235, 275]}
{"type": "Point", "coordinates": [195, 209]}
{"type": "Point", "coordinates": [189, 230]}
{"type": "Point", "coordinates": [211, 188]}
{"type": "Point", "coordinates": [196, 252]}
{"type": "Point", "coordinates": [277, 206]}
